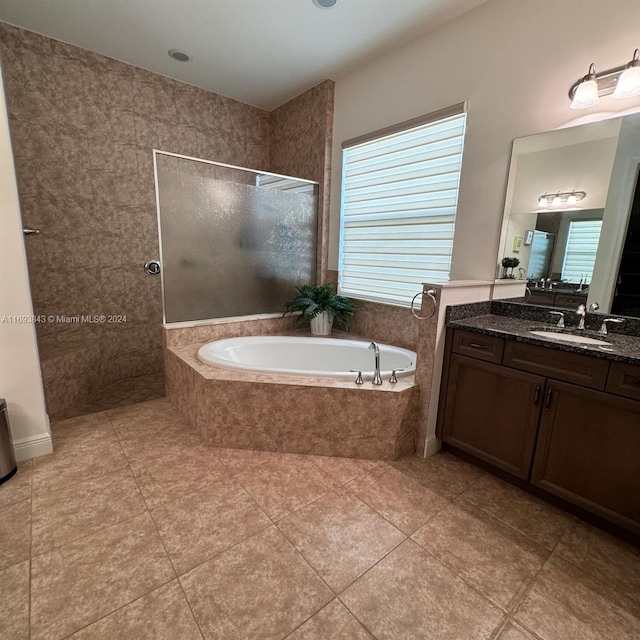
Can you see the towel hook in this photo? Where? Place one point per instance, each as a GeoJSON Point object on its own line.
{"type": "Point", "coordinates": [431, 293]}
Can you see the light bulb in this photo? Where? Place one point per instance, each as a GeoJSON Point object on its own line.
{"type": "Point", "coordinates": [542, 201]}
{"type": "Point", "coordinates": [629, 82]}
{"type": "Point", "coordinates": [556, 201]}
{"type": "Point", "coordinates": [572, 198]}
{"type": "Point", "coordinates": [586, 94]}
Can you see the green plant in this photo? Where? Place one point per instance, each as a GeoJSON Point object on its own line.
{"type": "Point", "coordinates": [509, 263]}
{"type": "Point", "coordinates": [314, 299]}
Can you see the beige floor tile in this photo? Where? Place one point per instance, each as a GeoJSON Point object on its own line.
{"type": "Point", "coordinates": [493, 558]}
{"type": "Point", "coordinates": [176, 473]}
{"type": "Point", "coordinates": [14, 602]}
{"type": "Point", "coordinates": [206, 522]}
{"type": "Point", "coordinates": [411, 595]}
{"type": "Point", "coordinates": [399, 498]}
{"type": "Point", "coordinates": [241, 460]}
{"type": "Point", "coordinates": [334, 622]}
{"type": "Point", "coordinates": [75, 459]}
{"type": "Point", "coordinates": [603, 557]}
{"type": "Point", "coordinates": [442, 472]}
{"type": "Point", "coordinates": [17, 488]}
{"type": "Point", "coordinates": [340, 537]}
{"type": "Point", "coordinates": [80, 582]}
{"type": "Point", "coordinates": [163, 614]}
{"type": "Point", "coordinates": [342, 470]}
{"type": "Point", "coordinates": [15, 533]}
{"type": "Point", "coordinates": [76, 510]}
{"type": "Point", "coordinates": [565, 602]}
{"type": "Point", "coordinates": [138, 450]}
{"type": "Point", "coordinates": [82, 426]}
{"type": "Point", "coordinates": [284, 484]}
{"type": "Point", "coordinates": [261, 588]}
{"type": "Point", "coordinates": [535, 518]}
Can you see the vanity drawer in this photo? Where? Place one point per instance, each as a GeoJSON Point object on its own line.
{"type": "Point", "coordinates": [476, 345]}
{"type": "Point", "coordinates": [545, 298]}
{"type": "Point", "coordinates": [568, 301]}
{"type": "Point", "coordinates": [624, 380]}
{"type": "Point", "coordinates": [559, 365]}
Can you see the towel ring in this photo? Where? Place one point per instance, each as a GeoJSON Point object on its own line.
{"type": "Point", "coordinates": [431, 293]}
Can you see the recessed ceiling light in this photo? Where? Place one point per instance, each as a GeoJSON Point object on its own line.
{"type": "Point", "coordinates": [324, 4]}
{"type": "Point", "coordinates": [178, 55]}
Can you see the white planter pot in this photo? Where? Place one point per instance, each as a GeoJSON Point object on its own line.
{"type": "Point", "coordinates": [321, 324]}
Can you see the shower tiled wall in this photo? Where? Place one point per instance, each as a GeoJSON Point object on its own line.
{"type": "Point", "coordinates": [83, 127]}
{"type": "Point", "coordinates": [302, 136]}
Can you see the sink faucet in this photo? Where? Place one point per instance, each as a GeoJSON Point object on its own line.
{"type": "Point", "coordinates": [377, 379]}
{"type": "Point", "coordinates": [582, 312]}
{"type": "Point", "coordinates": [560, 315]}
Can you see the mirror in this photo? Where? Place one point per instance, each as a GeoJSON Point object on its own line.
{"type": "Point", "coordinates": [572, 205]}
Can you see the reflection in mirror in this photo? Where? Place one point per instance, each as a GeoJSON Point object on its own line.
{"type": "Point", "coordinates": [567, 211]}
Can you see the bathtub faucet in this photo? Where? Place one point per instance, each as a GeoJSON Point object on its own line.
{"type": "Point", "coordinates": [376, 375]}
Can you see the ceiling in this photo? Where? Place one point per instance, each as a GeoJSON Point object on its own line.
{"type": "Point", "coordinates": [263, 52]}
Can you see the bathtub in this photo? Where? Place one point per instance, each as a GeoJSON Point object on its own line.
{"type": "Point", "coordinates": [306, 356]}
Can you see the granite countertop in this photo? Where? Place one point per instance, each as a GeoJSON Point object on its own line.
{"type": "Point", "coordinates": [622, 348]}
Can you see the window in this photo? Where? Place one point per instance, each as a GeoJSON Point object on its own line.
{"type": "Point", "coordinates": [580, 254]}
{"type": "Point", "coordinates": [399, 200]}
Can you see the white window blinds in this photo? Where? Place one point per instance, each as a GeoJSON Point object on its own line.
{"type": "Point", "coordinates": [399, 200]}
{"type": "Point", "coordinates": [580, 253]}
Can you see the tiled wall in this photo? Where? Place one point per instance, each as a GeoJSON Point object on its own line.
{"type": "Point", "coordinates": [302, 138]}
{"type": "Point", "coordinates": [83, 127]}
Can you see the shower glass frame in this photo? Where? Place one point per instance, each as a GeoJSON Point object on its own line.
{"type": "Point", "coordinates": [315, 227]}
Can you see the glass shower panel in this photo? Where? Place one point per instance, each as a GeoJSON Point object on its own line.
{"type": "Point", "coordinates": [234, 241]}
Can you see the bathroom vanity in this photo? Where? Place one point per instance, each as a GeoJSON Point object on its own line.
{"type": "Point", "coordinates": [563, 418]}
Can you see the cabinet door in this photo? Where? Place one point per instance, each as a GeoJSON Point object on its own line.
{"type": "Point", "coordinates": [588, 452]}
{"type": "Point", "coordinates": [492, 413]}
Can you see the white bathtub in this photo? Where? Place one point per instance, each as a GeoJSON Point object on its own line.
{"type": "Point", "coordinates": [319, 357]}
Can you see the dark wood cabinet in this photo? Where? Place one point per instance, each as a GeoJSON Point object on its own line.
{"type": "Point", "coordinates": [557, 299]}
{"type": "Point", "coordinates": [588, 452]}
{"type": "Point", "coordinates": [567, 423]}
{"type": "Point", "coordinates": [492, 412]}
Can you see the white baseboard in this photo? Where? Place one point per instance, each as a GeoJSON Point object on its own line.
{"type": "Point", "coordinates": [33, 447]}
{"type": "Point", "coordinates": [431, 446]}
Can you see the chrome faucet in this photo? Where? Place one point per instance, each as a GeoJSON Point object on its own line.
{"type": "Point", "coordinates": [560, 315]}
{"type": "Point", "coordinates": [603, 329]}
{"type": "Point", "coordinates": [377, 379]}
{"type": "Point", "coordinates": [582, 312]}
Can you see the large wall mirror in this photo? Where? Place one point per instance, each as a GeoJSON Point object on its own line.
{"type": "Point", "coordinates": [572, 216]}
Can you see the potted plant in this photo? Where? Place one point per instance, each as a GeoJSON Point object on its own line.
{"type": "Point", "coordinates": [509, 265]}
{"type": "Point", "coordinates": [320, 306]}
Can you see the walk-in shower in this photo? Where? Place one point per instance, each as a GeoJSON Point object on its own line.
{"type": "Point", "coordinates": [233, 241]}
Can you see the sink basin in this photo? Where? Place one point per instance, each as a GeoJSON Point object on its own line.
{"type": "Point", "coordinates": [567, 337]}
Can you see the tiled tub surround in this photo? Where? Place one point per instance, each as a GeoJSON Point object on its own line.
{"type": "Point", "coordinates": [281, 413]}
{"type": "Point", "coordinates": [83, 128]}
{"type": "Point", "coordinates": [243, 410]}
{"type": "Point", "coordinates": [240, 545]}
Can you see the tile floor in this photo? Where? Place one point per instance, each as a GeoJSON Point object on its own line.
{"type": "Point", "coordinates": [132, 529]}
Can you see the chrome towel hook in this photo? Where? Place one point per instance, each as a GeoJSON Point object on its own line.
{"type": "Point", "coordinates": [431, 294]}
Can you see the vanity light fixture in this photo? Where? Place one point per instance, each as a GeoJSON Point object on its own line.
{"type": "Point", "coordinates": [622, 82]}
{"type": "Point", "coordinates": [629, 82]}
{"type": "Point", "coordinates": [561, 198]}
{"type": "Point", "coordinates": [585, 93]}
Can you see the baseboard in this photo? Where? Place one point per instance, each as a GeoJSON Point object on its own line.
{"type": "Point", "coordinates": [431, 446]}
{"type": "Point", "coordinates": [33, 447]}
